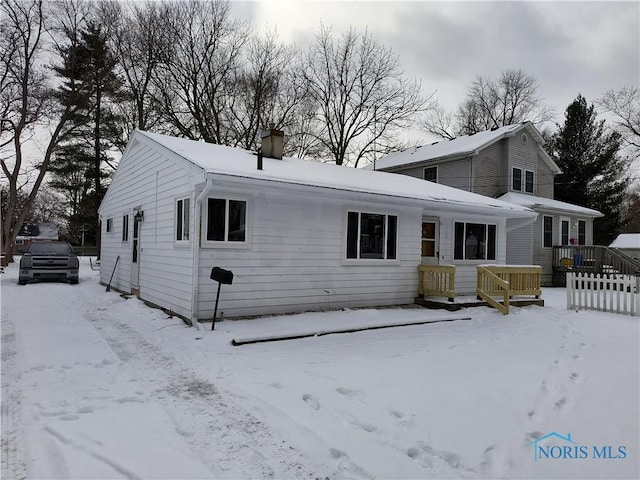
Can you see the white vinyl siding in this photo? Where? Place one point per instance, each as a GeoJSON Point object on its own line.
{"type": "Point", "coordinates": [297, 259]}
{"type": "Point", "coordinates": [149, 180]}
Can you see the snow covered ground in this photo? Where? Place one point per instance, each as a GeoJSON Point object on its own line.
{"type": "Point", "coordinates": [98, 386]}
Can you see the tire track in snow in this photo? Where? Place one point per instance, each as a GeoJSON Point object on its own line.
{"type": "Point", "coordinates": [227, 438]}
{"type": "Point", "coordinates": [13, 465]}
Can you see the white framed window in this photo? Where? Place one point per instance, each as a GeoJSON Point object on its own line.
{"type": "Point", "coordinates": [516, 179]}
{"type": "Point", "coordinates": [528, 181]}
{"type": "Point", "coordinates": [109, 226]}
{"type": "Point", "coordinates": [371, 236]}
{"type": "Point", "coordinates": [125, 228]}
{"type": "Point", "coordinates": [547, 231]}
{"type": "Point", "coordinates": [475, 241]}
{"type": "Point", "coordinates": [565, 225]}
{"type": "Point", "coordinates": [226, 221]}
{"type": "Point", "coordinates": [431, 174]}
{"type": "Point", "coordinates": [582, 232]}
{"type": "Point", "coordinates": [183, 207]}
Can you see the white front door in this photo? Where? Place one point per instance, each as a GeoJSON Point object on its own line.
{"type": "Point", "coordinates": [135, 255]}
{"type": "Point", "coordinates": [430, 241]}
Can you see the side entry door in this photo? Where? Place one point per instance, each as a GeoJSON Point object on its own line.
{"type": "Point", "coordinates": [430, 240]}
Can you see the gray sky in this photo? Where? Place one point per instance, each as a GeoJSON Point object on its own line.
{"type": "Point", "coordinates": [569, 47]}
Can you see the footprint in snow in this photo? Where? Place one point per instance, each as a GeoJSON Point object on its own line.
{"type": "Point", "coordinates": [311, 400]}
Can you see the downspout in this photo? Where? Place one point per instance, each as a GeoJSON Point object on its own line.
{"type": "Point", "coordinates": [197, 215]}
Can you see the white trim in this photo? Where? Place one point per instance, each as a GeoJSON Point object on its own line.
{"type": "Point", "coordinates": [247, 222]}
{"type": "Point", "coordinates": [533, 182]}
{"type": "Point", "coordinates": [513, 170]}
{"type": "Point", "coordinates": [370, 261]}
{"type": "Point", "coordinates": [182, 241]}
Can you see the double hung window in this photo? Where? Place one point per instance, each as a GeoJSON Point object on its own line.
{"type": "Point", "coordinates": [182, 219]}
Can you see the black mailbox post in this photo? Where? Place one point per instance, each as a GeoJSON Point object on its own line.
{"type": "Point", "coordinates": [221, 276]}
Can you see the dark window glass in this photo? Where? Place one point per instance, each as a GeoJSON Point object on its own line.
{"type": "Point", "coordinates": [528, 181]}
{"type": "Point", "coordinates": [491, 242]}
{"type": "Point", "coordinates": [458, 250]}
{"type": "Point", "coordinates": [431, 174]}
{"type": "Point", "coordinates": [474, 241]}
{"type": "Point", "coordinates": [391, 237]}
{"type": "Point", "coordinates": [178, 221]}
{"type": "Point", "coordinates": [125, 228]}
{"type": "Point", "coordinates": [49, 248]}
{"type": "Point", "coordinates": [517, 179]}
{"type": "Point", "coordinates": [216, 212]}
{"type": "Point", "coordinates": [547, 235]}
{"type": "Point", "coordinates": [582, 232]}
{"type": "Point", "coordinates": [109, 225]}
{"type": "Point", "coordinates": [371, 235]}
{"type": "Point", "coordinates": [352, 235]}
{"type": "Point", "coordinates": [564, 234]}
{"type": "Point", "coordinates": [237, 216]}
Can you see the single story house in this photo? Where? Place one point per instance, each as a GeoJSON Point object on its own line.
{"type": "Point", "coordinates": [628, 243]}
{"type": "Point", "coordinates": [298, 235]}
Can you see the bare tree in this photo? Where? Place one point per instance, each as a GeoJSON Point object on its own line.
{"type": "Point", "coordinates": [492, 103]}
{"type": "Point", "coordinates": [194, 84]}
{"type": "Point", "coordinates": [363, 97]}
{"type": "Point", "coordinates": [136, 37]}
{"type": "Point", "coordinates": [624, 104]}
{"type": "Point", "coordinates": [26, 104]}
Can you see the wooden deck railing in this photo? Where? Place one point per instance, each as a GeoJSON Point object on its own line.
{"type": "Point", "coordinates": [507, 281]}
{"type": "Point", "coordinates": [437, 281]}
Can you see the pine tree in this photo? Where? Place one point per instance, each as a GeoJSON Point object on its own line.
{"type": "Point", "coordinates": [594, 175]}
{"type": "Point", "coordinates": [91, 83]}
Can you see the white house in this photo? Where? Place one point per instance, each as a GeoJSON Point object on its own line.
{"type": "Point", "coordinates": [629, 243]}
{"type": "Point", "coordinates": [298, 235]}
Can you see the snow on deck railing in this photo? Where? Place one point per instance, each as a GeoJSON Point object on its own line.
{"type": "Point", "coordinates": [613, 293]}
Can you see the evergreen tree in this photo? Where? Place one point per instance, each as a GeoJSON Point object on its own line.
{"type": "Point", "coordinates": [594, 175]}
{"type": "Point", "coordinates": [90, 83]}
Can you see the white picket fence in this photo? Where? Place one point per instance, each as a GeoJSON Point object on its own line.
{"type": "Point", "coordinates": [607, 293]}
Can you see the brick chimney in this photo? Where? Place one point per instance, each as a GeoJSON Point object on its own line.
{"type": "Point", "coordinates": [272, 143]}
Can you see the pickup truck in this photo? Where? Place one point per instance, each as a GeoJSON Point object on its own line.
{"type": "Point", "coordinates": [48, 260]}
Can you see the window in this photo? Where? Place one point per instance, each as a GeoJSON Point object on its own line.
{"type": "Point", "coordinates": [516, 182]}
{"type": "Point", "coordinates": [474, 241]}
{"type": "Point", "coordinates": [564, 232]}
{"type": "Point", "coordinates": [582, 232]}
{"type": "Point", "coordinates": [547, 231]}
{"type": "Point", "coordinates": [182, 219]}
{"type": "Point", "coordinates": [371, 236]}
{"type": "Point", "coordinates": [226, 220]}
{"type": "Point", "coordinates": [528, 181]}
{"type": "Point", "coordinates": [109, 225]}
{"type": "Point", "coordinates": [428, 239]}
{"type": "Point", "coordinates": [125, 228]}
{"type": "Point", "coordinates": [431, 174]}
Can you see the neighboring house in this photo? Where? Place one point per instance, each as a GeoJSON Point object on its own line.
{"type": "Point", "coordinates": [629, 243]}
{"type": "Point", "coordinates": [33, 232]}
{"type": "Point", "coordinates": [511, 164]}
{"type": "Point", "coordinates": [298, 235]}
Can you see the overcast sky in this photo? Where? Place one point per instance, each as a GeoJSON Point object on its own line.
{"type": "Point", "coordinates": [569, 47]}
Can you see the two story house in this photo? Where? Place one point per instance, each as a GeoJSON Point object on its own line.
{"type": "Point", "coordinates": [511, 164]}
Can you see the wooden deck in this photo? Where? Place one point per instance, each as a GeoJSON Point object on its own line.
{"type": "Point", "coordinates": [461, 302]}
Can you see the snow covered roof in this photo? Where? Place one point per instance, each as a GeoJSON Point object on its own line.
{"type": "Point", "coordinates": [627, 240]}
{"type": "Point", "coordinates": [541, 203]}
{"type": "Point", "coordinates": [236, 162]}
{"type": "Point", "coordinates": [460, 146]}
